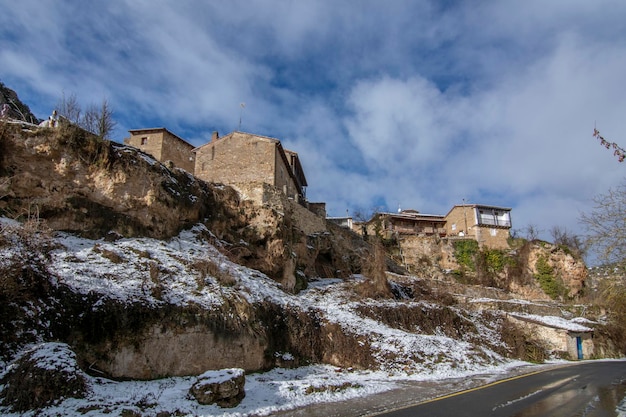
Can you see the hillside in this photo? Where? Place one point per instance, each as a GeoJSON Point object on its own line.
{"type": "Point", "coordinates": [137, 270]}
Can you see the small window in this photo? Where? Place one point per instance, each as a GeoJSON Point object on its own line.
{"type": "Point", "coordinates": [144, 140]}
{"type": "Point", "coordinates": [494, 232]}
{"type": "Point", "coordinates": [453, 227]}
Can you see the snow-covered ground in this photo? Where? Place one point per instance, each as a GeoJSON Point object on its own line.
{"type": "Point", "coordinates": [121, 269]}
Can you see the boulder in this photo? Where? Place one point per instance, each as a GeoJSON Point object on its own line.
{"type": "Point", "coordinates": [224, 387]}
{"type": "Point", "coordinates": [42, 376]}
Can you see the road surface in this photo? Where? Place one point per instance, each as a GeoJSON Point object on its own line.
{"type": "Point", "coordinates": [589, 389]}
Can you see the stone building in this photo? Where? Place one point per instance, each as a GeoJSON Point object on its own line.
{"type": "Point", "coordinates": [405, 222]}
{"type": "Point", "coordinates": [164, 146]}
{"type": "Point", "coordinates": [488, 225]}
{"type": "Point", "coordinates": [244, 158]}
{"type": "Point", "coordinates": [566, 338]}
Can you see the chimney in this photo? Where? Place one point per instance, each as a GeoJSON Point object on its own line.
{"type": "Point", "coordinates": [215, 136]}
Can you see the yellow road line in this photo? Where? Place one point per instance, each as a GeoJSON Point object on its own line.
{"type": "Point", "coordinates": [491, 384]}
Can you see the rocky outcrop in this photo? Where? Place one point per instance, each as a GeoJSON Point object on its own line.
{"type": "Point", "coordinates": [566, 268]}
{"type": "Point", "coordinates": [12, 107]}
{"type": "Point", "coordinates": [513, 270]}
{"type": "Point", "coordinates": [82, 184]}
{"type": "Point", "coordinates": [225, 387]}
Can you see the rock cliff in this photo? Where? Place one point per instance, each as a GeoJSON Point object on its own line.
{"type": "Point", "coordinates": [157, 283]}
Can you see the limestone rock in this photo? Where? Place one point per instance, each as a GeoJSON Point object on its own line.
{"type": "Point", "coordinates": [224, 387]}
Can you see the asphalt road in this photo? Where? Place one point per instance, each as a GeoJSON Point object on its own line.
{"type": "Point", "coordinates": [589, 389]}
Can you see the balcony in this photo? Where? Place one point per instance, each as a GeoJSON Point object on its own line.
{"type": "Point", "coordinates": [492, 220]}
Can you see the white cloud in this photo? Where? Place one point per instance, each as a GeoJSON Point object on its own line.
{"type": "Point", "coordinates": [413, 103]}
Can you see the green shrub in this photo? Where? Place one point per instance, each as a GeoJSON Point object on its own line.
{"type": "Point", "coordinates": [495, 260]}
{"type": "Point", "coordinates": [465, 253]}
{"type": "Point", "coordinates": [550, 284]}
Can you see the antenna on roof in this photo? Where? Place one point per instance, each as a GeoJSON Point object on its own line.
{"type": "Point", "coordinates": [243, 106]}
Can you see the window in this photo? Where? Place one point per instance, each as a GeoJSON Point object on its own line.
{"type": "Point", "coordinates": [144, 140]}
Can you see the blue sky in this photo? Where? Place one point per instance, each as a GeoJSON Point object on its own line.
{"type": "Point", "coordinates": [417, 104]}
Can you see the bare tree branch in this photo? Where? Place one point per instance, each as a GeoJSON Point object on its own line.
{"type": "Point", "coordinates": [617, 150]}
{"type": "Point", "coordinates": [606, 224]}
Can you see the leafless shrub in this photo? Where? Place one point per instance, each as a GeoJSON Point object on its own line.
{"type": "Point", "coordinates": [571, 242]}
{"type": "Point", "coordinates": [522, 345]}
{"type": "Point", "coordinates": [69, 108]}
{"type": "Point", "coordinates": [207, 267]}
{"type": "Point", "coordinates": [531, 232]}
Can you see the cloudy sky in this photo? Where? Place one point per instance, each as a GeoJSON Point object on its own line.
{"type": "Point", "coordinates": [412, 104]}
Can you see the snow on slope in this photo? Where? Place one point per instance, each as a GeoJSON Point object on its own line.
{"type": "Point", "coordinates": [121, 270]}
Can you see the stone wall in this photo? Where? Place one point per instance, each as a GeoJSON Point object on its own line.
{"type": "Point", "coordinates": [178, 151]}
{"type": "Point", "coordinates": [244, 158]}
{"type": "Point", "coordinates": [460, 219]}
{"type": "Point", "coordinates": [163, 146]}
{"type": "Point", "coordinates": [492, 237]}
{"type": "Point", "coordinates": [265, 195]}
{"type": "Point", "coordinates": [150, 142]}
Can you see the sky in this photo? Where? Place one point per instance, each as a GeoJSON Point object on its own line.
{"type": "Point", "coordinates": [410, 104]}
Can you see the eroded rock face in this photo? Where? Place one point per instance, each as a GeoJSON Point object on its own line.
{"type": "Point", "coordinates": [570, 270]}
{"type": "Point", "coordinates": [82, 184]}
{"type": "Point", "coordinates": [184, 351]}
{"type": "Point", "coordinates": [224, 387]}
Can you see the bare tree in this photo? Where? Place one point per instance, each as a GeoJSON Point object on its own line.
{"type": "Point", "coordinates": [99, 120]}
{"type": "Point", "coordinates": [532, 232]}
{"type": "Point", "coordinates": [69, 108]}
{"type": "Point", "coordinates": [606, 225]}
{"type": "Point", "coordinates": [561, 236]}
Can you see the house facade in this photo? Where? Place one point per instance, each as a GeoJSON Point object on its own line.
{"type": "Point", "coordinates": [488, 225]}
{"type": "Point", "coordinates": [163, 145]}
{"type": "Point", "coordinates": [405, 222]}
{"type": "Point", "coordinates": [247, 158]}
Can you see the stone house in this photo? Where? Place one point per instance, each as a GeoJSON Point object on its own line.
{"type": "Point", "coordinates": [164, 146]}
{"type": "Point", "coordinates": [565, 337]}
{"type": "Point", "coordinates": [245, 158]}
{"type": "Point", "coordinates": [488, 225]}
{"type": "Point", "coordinates": [405, 222]}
